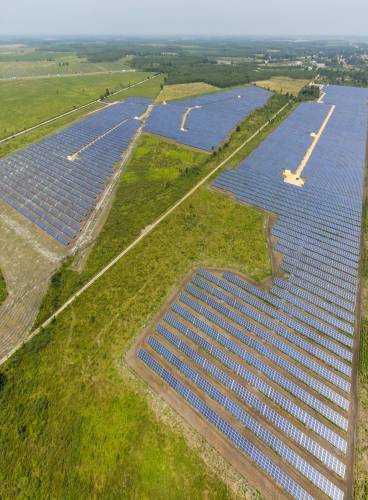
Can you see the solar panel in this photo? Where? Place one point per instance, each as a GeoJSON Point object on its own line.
{"type": "Point", "coordinates": [58, 194]}
{"type": "Point", "coordinates": [262, 408]}
{"type": "Point", "coordinates": [229, 431]}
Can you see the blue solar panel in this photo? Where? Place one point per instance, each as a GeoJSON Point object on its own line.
{"type": "Point", "coordinates": [58, 194]}
{"type": "Point", "coordinates": [243, 372]}
{"type": "Point", "coordinates": [284, 350]}
{"type": "Point", "coordinates": [263, 409]}
{"type": "Point", "coordinates": [272, 470]}
{"type": "Point", "coordinates": [210, 118]}
{"type": "Point", "coordinates": [249, 422]}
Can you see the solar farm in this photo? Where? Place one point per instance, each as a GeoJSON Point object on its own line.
{"type": "Point", "coordinates": [205, 122]}
{"type": "Point", "coordinates": [267, 373]}
{"type": "Point", "coordinates": [57, 182]}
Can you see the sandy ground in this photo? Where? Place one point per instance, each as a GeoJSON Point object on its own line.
{"type": "Point", "coordinates": [28, 258]}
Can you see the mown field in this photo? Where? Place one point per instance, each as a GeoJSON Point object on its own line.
{"type": "Point", "coordinates": [149, 89]}
{"type": "Point", "coordinates": [72, 419]}
{"type": "Point", "coordinates": [28, 102]}
{"type": "Point", "coordinates": [64, 65]}
{"type": "Point", "coordinates": [283, 85]}
{"type": "Point", "coordinates": [182, 90]}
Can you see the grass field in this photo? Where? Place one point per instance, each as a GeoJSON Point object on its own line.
{"type": "Point", "coordinates": [28, 102]}
{"type": "Point", "coordinates": [283, 85]}
{"type": "Point", "coordinates": [361, 457]}
{"type": "Point", "coordinates": [182, 90]}
{"type": "Point", "coordinates": [149, 89]}
{"type": "Point", "coordinates": [66, 399]}
{"type": "Point", "coordinates": [2, 288]}
{"type": "Point", "coordinates": [67, 64]}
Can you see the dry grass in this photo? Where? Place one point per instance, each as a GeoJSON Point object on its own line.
{"type": "Point", "coordinates": [283, 84]}
{"type": "Point", "coordinates": [181, 90]}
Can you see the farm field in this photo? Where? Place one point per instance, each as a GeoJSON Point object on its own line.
{"type": "Point", "coordinates": [25, 103]}
{"type": "Point", "coordinates": [65, 64]}
{"type": "Point", "coordinates": [283, 85]}
{"type": "Point", "coordinates": [184, 274]}
{"type": "Point", "coordinates": [182, 90]}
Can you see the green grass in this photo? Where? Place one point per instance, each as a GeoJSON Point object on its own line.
{"type": "Point", "coordinates": [25, 103]}
{"type": "Point", "coordinates": [71, 419]}
{"type": "Point", "coordinates": [159, 173]}
{"type": "Point", "coordinates": [3, 292]}
{"type": "Point", "coordinates": [361, 448]}
{"type": "Point", "coordinates": [66, 65]}
{"type": "Point", "coordinates": [150, 89]}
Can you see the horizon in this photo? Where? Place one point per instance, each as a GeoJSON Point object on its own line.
{"type": "Point", "coordinates": [168, 18]}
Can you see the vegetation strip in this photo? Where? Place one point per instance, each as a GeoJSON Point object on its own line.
{"type": "Point", "coordinates": [147, 230]}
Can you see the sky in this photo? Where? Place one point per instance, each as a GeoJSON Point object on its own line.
{"type": "Point", "coordinates": [184, 17]}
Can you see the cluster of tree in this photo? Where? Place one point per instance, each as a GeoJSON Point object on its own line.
{"type": "Point", "coordinates": [357, 77]}
{"type": "Point", "coordinates": [309, 93]}
{"type": "Point", "coordinates": [105, 95]}
{"type": "Point", "coordinates": [187, 69]}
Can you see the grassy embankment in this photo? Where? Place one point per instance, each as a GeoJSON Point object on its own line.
{"type": "Point", "coordinates": [71, 419]}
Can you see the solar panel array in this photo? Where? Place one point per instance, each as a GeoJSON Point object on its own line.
{"type": "Point", "coordinates": [209, 118]}
{"type": "Point", "coordinates": [274, 364]}
{"type": "Point", "coordinates": [56, 182]}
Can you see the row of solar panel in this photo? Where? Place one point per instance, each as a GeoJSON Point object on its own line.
{"type": "Point", "coordinates": [249, 422]}
{"type": "Point", "coordinates": [58, 194]}
{"type": "Point", "coordinates": [274, 326]}
{"type": "Point", "coordinates": [319, 287]}
{"type": "Point", "coordinates": [233, 182]}
{"type": "Point", "coordinates": [254, 380]}
{"type": "Point", "coordinates": [276, 359]}
{"type": "Point", "coordinates": [319, 238]}
{"type": "Point", "coordinates": [257, 363]}
{"type": "Point", "coordinates": [326, 280]}
{"type": "Point", "coordinates": [317, 247]}
{"type": "Point", "coordinates": [223, 112]}
{"type": "Point", "coordinates": [286, 319]}
{"type": "Point", "coordinates": [267, 194]}
{"type": "Point", "coordinates": [311, 309]}
{"type": "Point", "coordinates": [313, 299]}
{"type": "Point", "coordinates": [271, 469]}
{"type": "Point", "coordinates": [272, 416]}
